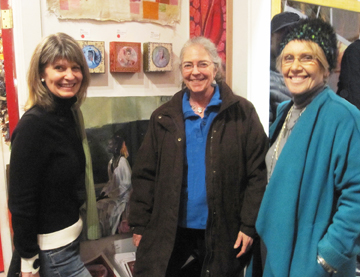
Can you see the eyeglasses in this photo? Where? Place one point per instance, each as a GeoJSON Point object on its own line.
{"type": "Point", "coordinates": [188, 66]}
{"type": "Point", "coordinates": [304, 59]}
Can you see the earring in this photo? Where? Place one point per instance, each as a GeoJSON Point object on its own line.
{"type": "Point", "coordinates": [42, 80]}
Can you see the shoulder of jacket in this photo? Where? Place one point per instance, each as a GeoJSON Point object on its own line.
{"type": "Point", "coordinates": [170, 107]}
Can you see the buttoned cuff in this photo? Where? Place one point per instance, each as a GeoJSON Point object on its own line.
{"type": "Point", "coordinates": [30, 265]}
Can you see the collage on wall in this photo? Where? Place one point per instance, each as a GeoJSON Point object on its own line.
{"type": "Point", "coordinates": [165, 12]}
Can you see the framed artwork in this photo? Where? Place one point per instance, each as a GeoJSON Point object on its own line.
{"type": "Point", "coordinates": [125, 56]}
{"type": "Point", "coordinates": [157, 57]}
{"type": "Point", "coordinates": [94, 52]}
{"type": "Point", "coordinates": [101, 266]}
{"type": "Point", "coordinates": [214, 21]}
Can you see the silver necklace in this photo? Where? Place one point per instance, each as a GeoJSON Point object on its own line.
{"type": "Point", "coordinates": [197, 109]}
{"type": "Point", "coordinates": [276, 153]}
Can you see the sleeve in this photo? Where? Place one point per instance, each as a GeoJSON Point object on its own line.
{"type": "Point", "coordinates": [26, 164]}
{"type": "Point", "coordinates": [256, 148]}
{"type": "Point", "coordinates": [341, 242]}
{"type": "Point", "coordinates": [122, 178]}
{"type": "Point", "coordinates": [143, 182]}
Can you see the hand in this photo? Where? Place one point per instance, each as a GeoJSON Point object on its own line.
{"type": "Point", "coordinates": [246, 243]}
{"type": "Point", "coordinates": [29, 274]}
{"type": "Point", "coordinates": [136, 239]}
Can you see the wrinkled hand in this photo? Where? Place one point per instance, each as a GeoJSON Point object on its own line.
{"type": "Point", "coordinates": [136, 239]}
{"type": "Point", "coordinates": [29, 274]}
{"type": "Point", "coordinates": [246, 243]}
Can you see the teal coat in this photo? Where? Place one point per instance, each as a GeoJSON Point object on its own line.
{"type": "Point", "coordinates": [312, 203]}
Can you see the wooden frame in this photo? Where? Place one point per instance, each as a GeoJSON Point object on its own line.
{"type": "Point", "coordinates": [349, 5]}
{"type": "Point", "coordinates": [157, 57]}
{"type": "Point", "coordinates": [229, 41]}
{"type": "Point", "coordinates": [101, 266]}
{"type": "Point", "coordinates": [125, 56]}
{"type": "Point", "coordinates": [94, 52]}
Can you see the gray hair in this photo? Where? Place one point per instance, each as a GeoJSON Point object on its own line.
{"type": "Point", "coordinates": [210, 48]}
{"type": "Point", "coordinates": [50, 49]}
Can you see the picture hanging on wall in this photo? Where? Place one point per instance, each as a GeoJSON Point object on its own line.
{"type": "Point", "coordinates": [157, 57]}
{"type": "Point", "coordinates": [114, 137]}
{"type": "Point", "coordinates": [94, 52]}
{"type": "Point", "coordinates": [164, 12]}
{"type": "Point", "coordinates": [125, 56]}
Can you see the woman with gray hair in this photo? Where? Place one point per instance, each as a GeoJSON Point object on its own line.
{"type": "Point", "coordinates": [199, 176]}
{"type": "Point", "coordinates": [50, 166]}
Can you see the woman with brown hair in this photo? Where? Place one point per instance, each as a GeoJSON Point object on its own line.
{"type": "Point", "coordinates": [50, 166]}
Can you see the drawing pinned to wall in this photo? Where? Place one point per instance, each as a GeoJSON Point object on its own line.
{"type": "Point", "coordinates": [125, 56]}
{"type": "Point", "coordinates": [157, 57]}
{"type": "Point", "coordinates": [208, 19]}
{"type": "Point", "coordinates": [166, 12]}
{"type": "Point", "coordinates": [94, 54]}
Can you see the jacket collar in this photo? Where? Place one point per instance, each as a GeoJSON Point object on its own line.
{"type": "Point", "coordinates": [172, 118]}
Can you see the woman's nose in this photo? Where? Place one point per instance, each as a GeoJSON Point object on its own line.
{"type": "Point", "coordinates": [296, 64]}
{"type": "Point", "coordinates": [69, 74]}
{"type": "Point", "coordinates": [195, 70]}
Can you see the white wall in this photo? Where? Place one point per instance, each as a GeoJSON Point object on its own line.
{"type": "Point", "coordinates": [251, 43]}
{"type": "Point", "coordinates": [251, 54]}
{"type": "Point", "coordinates": [108, 84]}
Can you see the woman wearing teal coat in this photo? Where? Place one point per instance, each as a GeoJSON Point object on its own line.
{"type": "Point", "coordinates": [309, 219]}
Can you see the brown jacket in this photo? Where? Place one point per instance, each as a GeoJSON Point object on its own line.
{"type": "Point", "coordinates": [235, 181]}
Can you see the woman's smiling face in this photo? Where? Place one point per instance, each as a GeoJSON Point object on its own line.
{"type": "Point", "coordinates": [63, 78]}
{"type": "Point", "coordinates": [301, 70]}
{"type": "Point", "coordinates": [199, 76]}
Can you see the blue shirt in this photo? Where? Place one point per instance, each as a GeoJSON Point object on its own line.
{"type": "Point", "coordinates": [193, 204]}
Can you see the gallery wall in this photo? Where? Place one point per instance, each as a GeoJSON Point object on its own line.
{"type": "Point", "coordinates": [250, 43]}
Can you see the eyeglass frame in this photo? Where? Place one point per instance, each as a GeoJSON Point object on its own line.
{"type": "Point", "coordinates": [301, 60]}
{"type": "Point", "coordinates": [192, 65]}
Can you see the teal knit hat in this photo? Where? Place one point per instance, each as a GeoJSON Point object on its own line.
{"type": "Point", "coordinates": [318, 31]}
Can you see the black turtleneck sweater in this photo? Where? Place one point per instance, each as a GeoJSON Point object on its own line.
{"type": "Point", "coordinates": [47, 174]}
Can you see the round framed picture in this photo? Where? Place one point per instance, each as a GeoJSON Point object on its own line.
{"type": "Point", "coordinates": [92, 56]}
{"type": "Point", "coordinates": [127, 56]}
{"type": "Point", "coordinates": [160, 56]}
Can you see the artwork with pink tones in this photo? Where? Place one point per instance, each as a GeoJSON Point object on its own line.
{"type": "Point", "coordinates": [135, 8]}
{"type": "Point", "coordinates": [64, 5]}
{"type": "Point", "coordinates": [125, 56]}
{"type": "Point", "coordinates": [208, 19]}
{"type": "Point", "coordinates": [74, 4]}
{"type": "Point", "coordinates": [165, 12]}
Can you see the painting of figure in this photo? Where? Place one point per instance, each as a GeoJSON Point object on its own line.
{"type": "Point", "coordinates": [161, 56]}
{"type": "Point", "coordinates": [157, 57]}
{"type": "Point", "coordinates": [94, 54]}
{"type": "Point", "coordinates": [124, 56]}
